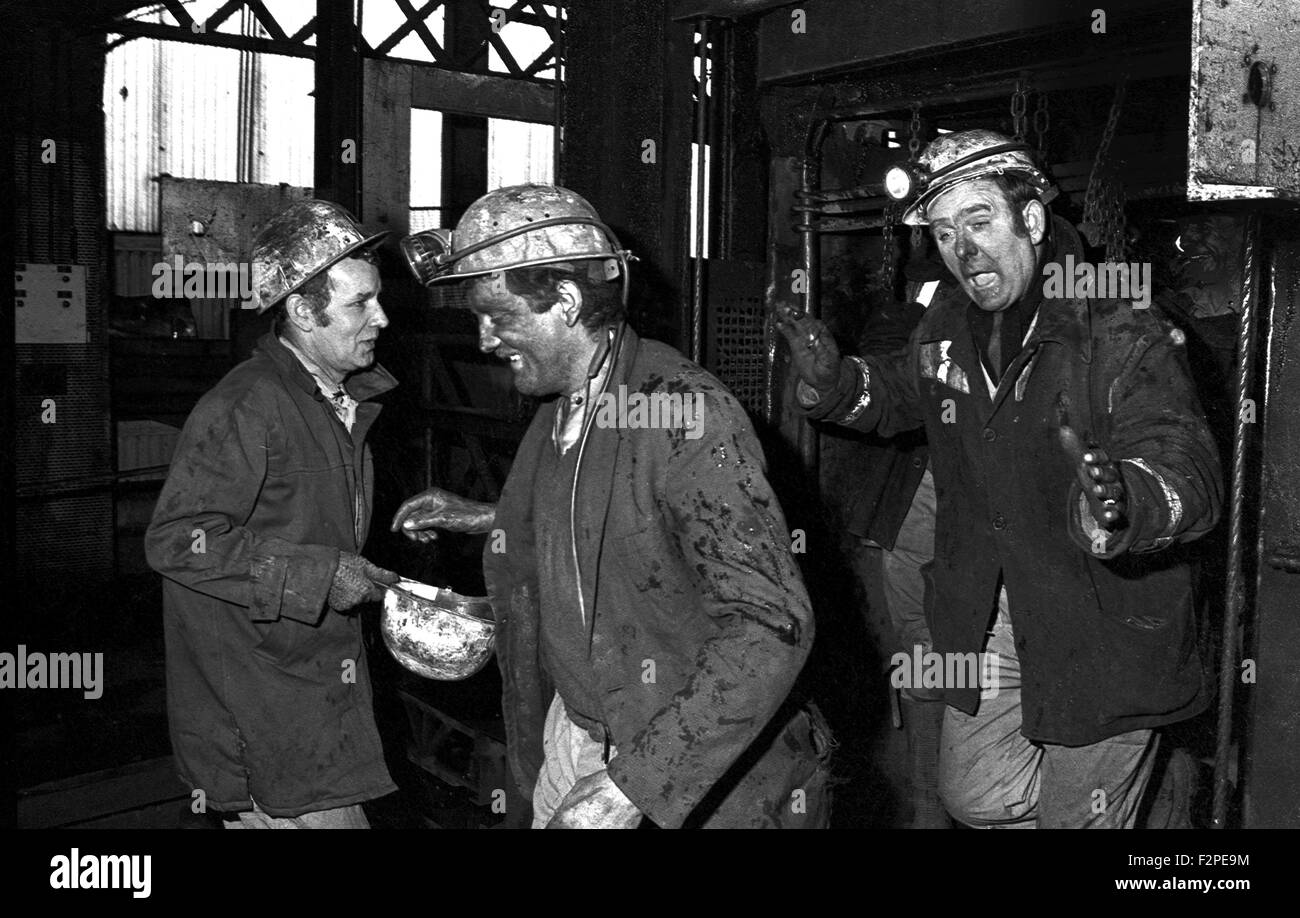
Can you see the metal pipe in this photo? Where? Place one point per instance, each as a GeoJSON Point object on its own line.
{"type": "Point", "coordinates": [810, 176]}
{"type": "Point", "coordinates": [701, 176]}
{"type": "Point", "coordinates": [1235, 597]}
{"type": "Point", "coordinates": [1070, 75]}
{"type": "Point", "coordinates": [868, 192]}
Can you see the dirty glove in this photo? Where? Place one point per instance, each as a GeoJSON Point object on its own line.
{"type": "Point", "coordinates": [813, 352]}
{"type": "Point", "coordinates": [356, 581]}
{"type": "Point", "coordinates": [435, 508]}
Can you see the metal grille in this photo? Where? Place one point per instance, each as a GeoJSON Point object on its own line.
{"type": "Point", "coordinates": [66, 536]}
{"type": "Point", "coordinates": [74, 376]}
{"type": "Point", "coordinates": [63, 470]}
{"type": "Point", "coordinates": [736, 347]}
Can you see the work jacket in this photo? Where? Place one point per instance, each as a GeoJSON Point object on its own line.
{"type": "Point", "coordinates": [884, 482]}
{"type": "Point", "coordinates": [1105, 631]}
{"type": "Point", "coordinates": [268, 691]}
{"type": "Point", "coordinates": [697, 618]}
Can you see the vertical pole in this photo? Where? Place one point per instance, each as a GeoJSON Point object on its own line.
{"type": "Point", "coordinates": [1234, 599]}
{"type": "Point", "coordinates": [810, 181]}
{"type": "Point", "coordinates": [701, 177]}
{"type": "Point", "coordinates": [338, 105]}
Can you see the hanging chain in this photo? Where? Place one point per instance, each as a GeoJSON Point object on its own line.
{"type": "Point", "coordinates": [914, 153]}
{"type": "Point", "coordinates": [1103, 203]}
{"type": "Point", "coordinates": [1042, 121]}
{"type": "Point", "coordinates": [887, 248]}
{"type": "Point", "coordinates": [1019, 103]}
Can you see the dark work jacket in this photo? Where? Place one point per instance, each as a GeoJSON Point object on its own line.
{"type": "Point", "coordinates": [890, 470]}
{"type": "Point", "coordinates": [260, 697]}
{"type": "Point", "coordinates": [1107, 641]}
{"type": "Point", "coordinates": [697, 617]}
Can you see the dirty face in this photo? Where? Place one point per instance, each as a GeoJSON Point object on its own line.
{"type": "Point", "coordinates": [344, 341]}
{"type": "Point", "coordinates": [543, 349]}
{"type": "Point", "coordinates": [992, 258]}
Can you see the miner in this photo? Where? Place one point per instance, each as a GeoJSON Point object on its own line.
{"type": "Point", "coordinates": [1070, 459]}
{"type": "Point", "coordinates": [651, 616]}
{"type": "Point", "coordinates": [258, 533]}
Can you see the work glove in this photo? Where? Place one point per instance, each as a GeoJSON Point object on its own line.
{"type": "Point", "coordinates": [356, 581]}
{"type": "Point", "coordinates": [435, 508]}
{"type": "Point", "coordinates": [813, 352]}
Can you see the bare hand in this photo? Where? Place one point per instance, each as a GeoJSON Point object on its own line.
{"type": "Point", "coordinates": [813, 352]}
{"type": "Point", "coordinates": [1101, 481]}
{"type": "Point", "coordinates": [595, 802]}
{"type": "Point", "coordinates": [435, 508]}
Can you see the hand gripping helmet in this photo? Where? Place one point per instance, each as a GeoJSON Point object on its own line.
{"type": "Point", "coordinates": [951, 159]}
{"type": "Point", "coordinates": [516, 227]}
{"type": "Point", "coordinates": [303, 241]}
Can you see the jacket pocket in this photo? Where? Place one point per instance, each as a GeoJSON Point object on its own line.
{"type": "Point", "coordinates": [285, 642]}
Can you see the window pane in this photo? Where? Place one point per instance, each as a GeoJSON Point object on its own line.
{"type": "Point", "coordinates": [381, 18]}
{"type": "Point", "coordinates": [525, 43]}
{"type": "Point", "coordinates": [520, 152]}
{"type": "Point", "coordinates": [426, 158]}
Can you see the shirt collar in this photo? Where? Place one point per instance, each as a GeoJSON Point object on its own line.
{"type": "Point", "coordinates": [323, 381]}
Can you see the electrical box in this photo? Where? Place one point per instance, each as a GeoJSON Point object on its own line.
{"type": "Point", "coordinates": [1244, 133]}
{"type": "Point", "coordinates": [50, 304]}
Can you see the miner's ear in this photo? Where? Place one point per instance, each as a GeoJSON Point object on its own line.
{"type": "Point", "coordinates": [298, 311]}
{"type": "Point", "coordinates": [569, 299]}
{"type": "Point", "coordinates": [1035, 216]}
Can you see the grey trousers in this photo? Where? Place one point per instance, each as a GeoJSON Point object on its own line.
{"type": "Point", "coordinates": [343, 817]}
{"type": "Point", "coordinates": [990, 776]}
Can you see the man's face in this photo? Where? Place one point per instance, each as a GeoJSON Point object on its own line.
{"type": "Point", "coordinates": [355, 318]}
{"type": "Point", "coordinates": [541, 348]}
{"type": "Point", "coordinates": [976, 232]}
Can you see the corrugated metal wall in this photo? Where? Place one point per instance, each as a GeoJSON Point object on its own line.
{"type": "Point", "coordinates": [172, 107]}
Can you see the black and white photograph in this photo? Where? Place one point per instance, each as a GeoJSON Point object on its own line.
{"type": "Point", "coordinates": [652, 414]}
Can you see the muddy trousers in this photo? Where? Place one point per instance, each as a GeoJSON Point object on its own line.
{"type": "Point", "coordinates": [990, 776]}
{"type": "Point", "coordinates": [921, 710]}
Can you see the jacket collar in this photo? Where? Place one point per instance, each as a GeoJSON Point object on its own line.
{"type": "Point", "coordinates": [361, 385]}
{"type": "Point", "coordinates": [1064, 321]}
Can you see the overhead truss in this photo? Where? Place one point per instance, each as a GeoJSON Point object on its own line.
{"type": "Point", "coordinates": [268, 36]}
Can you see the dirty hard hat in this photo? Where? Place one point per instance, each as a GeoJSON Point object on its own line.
{"type": "Point", "coordinates": [436, 633]}
{"type": "Point", "coordinates": [951, 159]}
{"type": "Point", "coordinates": [516, 227]}
{"type": "Point", "coordinates": [300, 243]}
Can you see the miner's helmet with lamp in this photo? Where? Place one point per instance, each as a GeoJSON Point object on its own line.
{"type": "Point", "coordinates": [961, 156]}
{"type": "Point", "coordinates": [519, 226]}
{"type": "Point", "coordinates": [302, 242]}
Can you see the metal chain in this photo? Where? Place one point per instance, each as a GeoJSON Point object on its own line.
{"type": "Point", "coordinates": [1019, 104]}
{"type": "Point", "coordinates": [914, 153]}
{"type": "Point", "coordinates": [1116, 227]}
{"type": "Point", "coordinates": [1103, 202]}
{"type": "Point", "coordinates": [887, 248]}
{"type": "Point", "coordinates": [1042, 121]}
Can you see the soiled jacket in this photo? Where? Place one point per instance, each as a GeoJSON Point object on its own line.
{"type": "Point", "coordinates": [1107, 640]}
{"type": "Point", "coordinates": [268, 692]}
{"type": "Point", "coordinates": [698, 620]}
